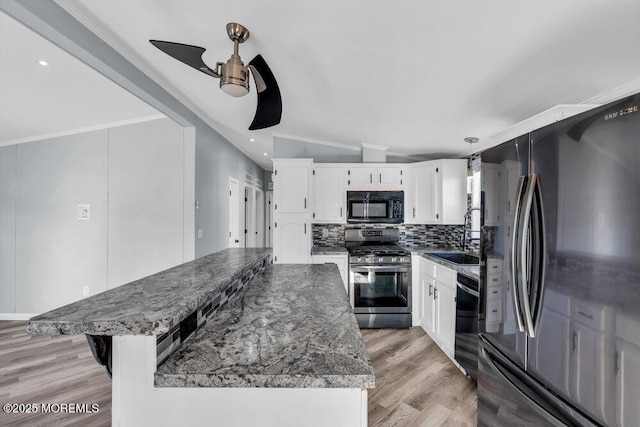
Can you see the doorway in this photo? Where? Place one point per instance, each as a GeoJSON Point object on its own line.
{"type": "Point", "coordinates": [234, 213]}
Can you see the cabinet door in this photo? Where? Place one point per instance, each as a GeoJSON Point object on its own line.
{"type": "Point", "coordinates": [425, 193]}
{"type": "Point", "coordinates": [588, 369]}
{"type": "Point", "coordinates": [427, 306]}
{"type": "Point", "coordinates": [329, 194]}
{"type": "Point", "coordinates": [390, 177]}
{"type": "Point", "coordinates": [291, 241]}
{"type": "Point", "coordinates": [550, 352]}
{"type": "Point", "coordinates": [490, 188]}
{"type": "Point", "coordinates": [627, 381]}
{"type": "Point", "coordinates": [361, 177]}
{"type": "Point", "coordinates": [291, 190]}
{"type": "Point", "coordinates": [445, 300]}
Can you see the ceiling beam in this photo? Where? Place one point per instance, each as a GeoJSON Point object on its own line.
{"type": "Point", "coordinates": [58, 26]}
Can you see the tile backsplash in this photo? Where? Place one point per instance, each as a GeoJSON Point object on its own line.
{"type": "Point", "coordinates": [410, 234]}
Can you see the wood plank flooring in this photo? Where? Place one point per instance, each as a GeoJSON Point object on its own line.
{"type": "Point", "coordinates": [52, 370]}
{"type": "Point", "coordinates": [416, 384]}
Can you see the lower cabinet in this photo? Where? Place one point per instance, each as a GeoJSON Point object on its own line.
{"type": "Point", "coordinates": [437, 304]}
{"type": "Point", "coordinates": [291, 240]}
{"type": "Point", "coordinates": [340, 260]}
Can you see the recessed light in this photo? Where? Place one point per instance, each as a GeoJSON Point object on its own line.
{"type": "Point", "coordinates": [43, 62]}
{"type": "Point", "coordinates": [252, 139]}
{"type": "Point", "coordinates": [265, 154]}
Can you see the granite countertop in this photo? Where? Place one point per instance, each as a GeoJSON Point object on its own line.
{"type": "Point", "coordinates": [151, 305]}
{"type": "Point", "coordinates": [471, 271]}
{"type": "Point", "coordinates": [292, 327]}
{"type": "Point", "coordinates": [328, 250]}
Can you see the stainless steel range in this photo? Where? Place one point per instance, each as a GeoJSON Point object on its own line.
{"type": "Point", "coordinates": [379, 278]}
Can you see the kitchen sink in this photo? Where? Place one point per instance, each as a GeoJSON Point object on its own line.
{"type": "Point", "coordinates": [457, 257]}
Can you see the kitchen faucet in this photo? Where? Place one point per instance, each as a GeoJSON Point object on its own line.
{"type": "Point", "coordinates": [467, 215]}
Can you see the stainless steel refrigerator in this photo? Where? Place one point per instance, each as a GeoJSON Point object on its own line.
{"type": "Point", "coordinates": [559, 340]}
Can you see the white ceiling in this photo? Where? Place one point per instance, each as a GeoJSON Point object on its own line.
{"type": "Point", "coordinates": [415, 76]}
{"type": "Point", "coordinates": [67, 96]}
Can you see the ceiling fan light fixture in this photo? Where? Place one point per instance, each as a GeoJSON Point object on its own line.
{"type": "Point", "coordinates": [234, 77]}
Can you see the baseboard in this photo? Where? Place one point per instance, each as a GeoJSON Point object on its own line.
{"type": "Point", "coordinates": [17, 316]}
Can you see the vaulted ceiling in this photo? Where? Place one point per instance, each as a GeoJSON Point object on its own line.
{"type": "Point", "coordinates": [414, 76]}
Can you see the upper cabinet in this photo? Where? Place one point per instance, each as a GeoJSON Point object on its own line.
{"type": "Point", "coordinates": [291, 186]}
{"type": "Point", "coordinates": [328, 194]}
{"type": "Point", "coordinates": [364, 177]}
{"type": "Point", "coordinates": [439, 192]}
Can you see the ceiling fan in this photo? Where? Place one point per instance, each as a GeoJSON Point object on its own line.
{"type": "Point", "coordinates": [234, 75]}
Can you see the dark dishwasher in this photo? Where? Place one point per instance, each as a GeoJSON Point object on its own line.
{"type": "Point", "coordinates": [466, 343]}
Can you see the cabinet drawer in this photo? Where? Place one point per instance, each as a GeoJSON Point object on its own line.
{"type": "Point", "coordinates": [494, 280]}
{"type": "Point", "coordinates": [494, 292]}
{"type": "Point", "coordinates": [494, 310]}
{"type": "Point", "coordinates": [494, 265]}
{"type": "Point", "coordinates": [589, 315]}
{"type": "Point", "coordinates": [428, 267]}
{"type": "Point", "coordinates": [446, 275]}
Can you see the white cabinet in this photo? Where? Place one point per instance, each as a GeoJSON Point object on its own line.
{"type": "Point", "coordinates": [391, 177]}
{"type": "Point", "coordinates": [339, 260]}
{"type": "Point", "coordinates": [291, 216]}
{"type": "Point", "coordinates": [439, 192]}
{"type": "Point", "coordinates": [490, 188]}
{"type": "Point", "coordinates": [437, 304]}
{"type": "Point", "coordinates": [328, 193]}
{"type": "Point", "coordinates": [291, 186]}
{"type": "Point", "coordinates": [375, 176]}
{"type": "Point", "coordinates": [627, 381]}
{"type": "Point", "coordinates": [291, 240]}
{"type": "Point", "coordinates": [425, 194]}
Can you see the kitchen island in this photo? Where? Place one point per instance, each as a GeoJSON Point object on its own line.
{"type": "Point", "coordinates": [285, 351]}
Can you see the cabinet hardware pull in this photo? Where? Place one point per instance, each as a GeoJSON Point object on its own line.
{"type": "Point", "coordinates": [400, 182]}
{"type": "Point", "coordinates": [340, 211]}
{"type": "Point", "coordinates": [575, 336]}
{"type": "Point", "coordinates": [275, 206]}
{"type": "Point", "coordinates": [435, 293]}
{"type": "Point", "coordinates": [349, 172]}
{"type": "Point", "coordinates": [349, 182]}
{"type": "Point", "coordinates": [370, 178]}
{"type": "Point", "coordinates": [380, 178]}
{"type": "Point", "coordinates": [588, 316]}
{"type": "Point", "coordinates": [275, 225]}
{"type": "Point", "coordinates": [437, 170]}
{"type": "Point", "coordinates": [494, 311]}
{"type": "Point", "coordinates": [414, 212]}
{"type": "Point", "coordinates": [305, 228]}
{"type": "Point", "coordinates": [305, 203]}
{"type": "Point", "coordinates": [430, 286]}
{"type": "Point", "coordinates": [437, 216]}
{"type": "Point", "coordinates": [314, 214]}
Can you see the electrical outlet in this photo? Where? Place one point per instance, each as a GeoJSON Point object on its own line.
{"type": "Point", "coordinates": [325, 232]}
{"type": "Point", "coordinates": [199, 234]}
{"type": "Point", "coordinates": [85, 291]}
{"type": "Point", "coordinates": [84, 212]}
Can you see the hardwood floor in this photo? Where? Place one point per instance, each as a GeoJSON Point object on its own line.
{"type": "Point", "coordinates": [416, 384]}
{"type": "Point", "coordinates": [52, 370]}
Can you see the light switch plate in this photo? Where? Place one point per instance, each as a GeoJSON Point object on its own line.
{"type": "Point", "coordinates": [84, 212]}
{"type": "Point", "coordinates": [199, 234]}
{"type": "Point", "coordinates": [85, 291]}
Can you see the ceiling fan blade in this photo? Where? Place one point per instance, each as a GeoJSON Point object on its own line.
{"type": "Point", "coordinates": [185, 53]}
{"type": "Point", "coordinates": [269, 109]}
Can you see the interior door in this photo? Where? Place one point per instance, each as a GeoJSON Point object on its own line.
{"type": "Point", "coordinates": [234, 213]}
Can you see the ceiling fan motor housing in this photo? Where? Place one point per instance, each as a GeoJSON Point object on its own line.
{"type": "Point", "coordinates": [234, 77]}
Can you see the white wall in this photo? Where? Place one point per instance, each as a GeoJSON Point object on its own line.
{"type": "Point", "coordinates": [216, 161]}
{"type": "Point", "coordinates": [132, 176]}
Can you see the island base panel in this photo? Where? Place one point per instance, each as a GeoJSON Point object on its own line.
{"type": "Point", "coordinates": [137, 402]}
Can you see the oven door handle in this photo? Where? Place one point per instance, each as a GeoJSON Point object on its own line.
{"type": "Point", "coordinates": [379, 268]}
{"type": "Point", "coordinates": [468, 290]}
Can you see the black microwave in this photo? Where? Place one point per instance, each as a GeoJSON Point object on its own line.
{"type": "Point", "coordinates": [375, 207]}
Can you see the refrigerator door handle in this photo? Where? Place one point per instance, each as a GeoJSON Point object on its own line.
{"type": "Point", "coordinates": [528, 255]}
{"type": "Point", "coordinates": [554, 411]}
{"type": "Point", "coordinates": [516, 247]}
{"type": "Point", "coordinates": [539, 252]}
